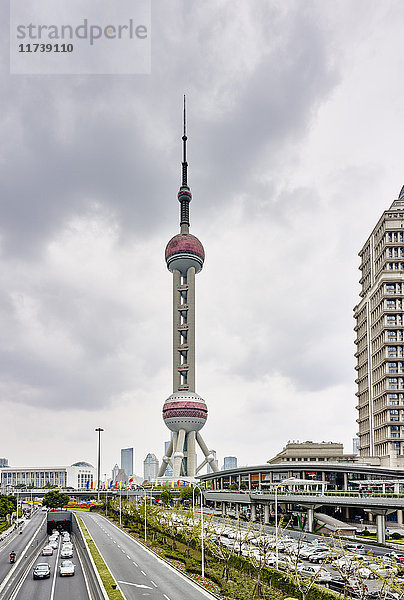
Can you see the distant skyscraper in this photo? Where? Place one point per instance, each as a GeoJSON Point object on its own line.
{"type": "Point", "coordinates": [380, 340]}
{"type": "Point", "coordinates": [127, 461]}
{"type": "Point", "coordinates": [3, 462]}
{"type": "Point", "coordinates": [355, 445]}
{"type": "Point", "coordinates": [229, 462]}
{"type": "Point", "coordinates": [115, 472]}
{"type": "Point", "coordinates": [150, 467]}
{"type": "Point", "coordinates": [169, 469]}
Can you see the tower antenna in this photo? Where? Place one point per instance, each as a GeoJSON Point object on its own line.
{"type": "Point", "coordinates": [184, 150]}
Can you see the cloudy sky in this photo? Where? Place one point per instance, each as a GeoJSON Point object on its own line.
{"type": "Point", "coordinates": [295, 124]}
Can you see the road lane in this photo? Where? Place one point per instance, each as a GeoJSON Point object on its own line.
{"type": "Point", "coordinates": [138, 571]}
{"type": "Point", "coordinates": [56, 587]}
{"type": "Point", "coordinates": [19, 542]}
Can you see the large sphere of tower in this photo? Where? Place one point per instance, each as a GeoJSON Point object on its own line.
{"type": "Point", "coordinates": [185, 410]}
{"type": "Point", "coordinates": [183, 251]}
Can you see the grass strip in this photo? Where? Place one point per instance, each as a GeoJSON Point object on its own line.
{"type": "Point", "coordinates": [104, 572]}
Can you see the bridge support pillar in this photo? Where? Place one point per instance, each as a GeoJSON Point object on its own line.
{"type": "Point", "coordinates": [400, 517]}
{"type": "Point", "coordinates": [381, 528]}
{"type": "Point", "coordinates": [224, 508]}
{"type": "Point", "coordinates": [266, 513]}
{"type": "Point", "coordinates": [310, 519]}
{"type": "Point", "coordinates": [236, 510]}
{"type": "Point", "coordinates": [253, 512]}
{"type": "Point", "coordinates": [380, 522]}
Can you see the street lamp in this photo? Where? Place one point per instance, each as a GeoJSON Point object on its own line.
{"type": "Point", "coordinates": [278, 485]}
{"type": "Point", "coordinates": [99, 429]}
{"type": "Point", "coordinates": [202, 528]}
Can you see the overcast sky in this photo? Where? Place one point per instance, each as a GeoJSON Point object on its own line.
{"type": "Point", "coordinates": [295, 124]}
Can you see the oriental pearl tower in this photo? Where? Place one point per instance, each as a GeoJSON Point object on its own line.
{"type": "Point", "coordinates": [184, 412]}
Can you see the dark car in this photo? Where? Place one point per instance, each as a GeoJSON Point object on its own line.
{"type": "Point", "coordinates": [41, 571]}
{"type": "Point", "coordinates": [339, 584]}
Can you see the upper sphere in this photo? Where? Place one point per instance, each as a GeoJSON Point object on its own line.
{"type": "Point", "coordinates": [183, 251]}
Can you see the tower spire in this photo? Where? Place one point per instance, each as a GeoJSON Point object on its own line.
{"type": "Point", "coordinates": [184, 150]}
{"type": "Point", "coordinates": [184, 195]}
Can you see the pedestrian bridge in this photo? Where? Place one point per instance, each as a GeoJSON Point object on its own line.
{"type": "Point", "coordinates": [376, 504]}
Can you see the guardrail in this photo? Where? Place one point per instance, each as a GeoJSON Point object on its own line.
{"type": "Point", "coordinates": [332, 494]}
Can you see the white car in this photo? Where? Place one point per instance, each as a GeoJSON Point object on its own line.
{"type": "Point", "coordinates": [53, 543]}
{"type": "Point", "coordinates": [47, 551]}
{"type": "Point", "coordinates": [66, 568]}
{"type": "Point", "coordinates": [66, 553]}
{"type": "Point", "coordinates": [67, 545]}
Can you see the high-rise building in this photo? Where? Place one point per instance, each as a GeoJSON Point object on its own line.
{"type": "Point", "coordinates": [380, 340]}
{"type": "Point", "coordinates": [150, 467]}
{"type": "Point", "coordinates": [229, 462]}
{"type": "Point", "coordinates": [184, 412]}
{"type": "Point", "coordinates": [127, 461]}
{"type": "Point", "coordinates": [355, 446]}
{"type": "Point", "coordinates": [3, 462]}
{"type": "Point", "coordinates": [115, 472]}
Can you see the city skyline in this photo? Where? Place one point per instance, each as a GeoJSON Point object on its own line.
{"type": "Point", "coordinates": [287, 182]}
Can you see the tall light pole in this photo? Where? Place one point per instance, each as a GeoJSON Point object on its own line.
{"type": "Point", "coordinates": [202, 527]}
{"type": "Point", "coordinates": [278, 485]}
{"type": "Point", "coordinates": [99, 429]}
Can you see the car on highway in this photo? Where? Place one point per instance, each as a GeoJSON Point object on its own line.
{"type": "Point", "coordinates": [66, 568]}
{"type": "Point", "coordinates": [67, 545]}
{"type": "Point", "coordinates": [53, 543]}
{"type": "Point", "coordinates": [66, 553]}
{"type": "Point", "coordinates": [47, 551]}
{"type": "Point", "coordinates": [41, 571]}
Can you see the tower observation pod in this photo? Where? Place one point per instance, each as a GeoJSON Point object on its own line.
{"type": "Point", "coordinates": [184, 412]}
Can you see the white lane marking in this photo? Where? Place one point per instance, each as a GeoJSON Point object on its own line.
{"type": "Point", "coordinates": [139, 585]}
{"type": "Point", "coordinates": [151, 581]}
{"type": "Point", "coordinates": [136, 565]}
{"type": "Point", "coordinates": [54, 574]}
{"type": "Point", "coordinates": [143, 573]}
{"type": "Point", "coordinates": [167, 598]}
{"type": "Point", "coordinates": [118, 546]}
{"type": "Point", "coordinates": [114, 542]}
{"type": "Point", "coordinates": [128, 556]}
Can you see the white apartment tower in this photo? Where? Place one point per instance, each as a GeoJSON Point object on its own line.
{"type": "Point", "coordinates": [380, 340]}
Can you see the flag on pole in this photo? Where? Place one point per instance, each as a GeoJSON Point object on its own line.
{"type": "Point", "coordinates": [87, 484]}
{"type": "Point", "coordinates": [116, 484]}
{"type": "Point", "coordinates": [120, 484]}
{"type": "Point", "coordinates": [111, 483]}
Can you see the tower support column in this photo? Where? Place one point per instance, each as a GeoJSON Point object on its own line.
{"type": "Point", "coordinates": [178, 454]}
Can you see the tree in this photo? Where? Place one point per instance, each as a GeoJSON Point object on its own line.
{"type": "Point", "coordinates": [8, 505]}
{"type": "Point", "coordinates": [166, 497]}
{"type": "Point", "coordinates": [185, 494]}
{"type": "Point", "coordinates": [55, 500]}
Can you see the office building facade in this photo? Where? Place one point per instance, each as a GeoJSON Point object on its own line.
{"type": "Point", "coordinates": [75, 476]}
{"type": "Point", "coordinates": [380, 340]}
{"type": "Point", "coordinates": [150, 467]}
{"type": "Point", "coordinates": [229, 462]}
{"type": "Point", "coordinates": [127, 461]}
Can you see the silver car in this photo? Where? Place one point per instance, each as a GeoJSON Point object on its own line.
{"type": "Point", "coordinates": [66, 568]}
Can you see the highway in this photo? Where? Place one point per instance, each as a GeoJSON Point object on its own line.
{"type": "Point", "coordinates": [19, 543]}
{"type": "Point", "coordinates": [23, 586]}
{"type": "Point", "coordinates": [137, 571]}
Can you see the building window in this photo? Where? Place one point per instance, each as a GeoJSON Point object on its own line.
{"type": "Point", "coordinates": [393, 384]}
